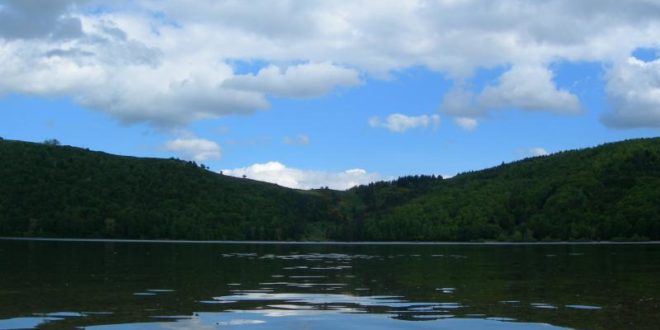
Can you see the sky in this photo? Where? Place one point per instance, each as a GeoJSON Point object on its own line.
{"type": "Point", "coordinates": [308, 94]}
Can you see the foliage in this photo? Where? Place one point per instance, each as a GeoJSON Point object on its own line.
{"type": "Point", "coordinates": [52, 142]}
{"type": "Point", "coordinates": [71, 192]}
{"type": "Point", "coordinates": [604, 193]}
{"type": "Point", "coordinates": [609, 192]}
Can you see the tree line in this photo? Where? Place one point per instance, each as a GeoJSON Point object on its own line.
{"type": "Point", "coordinates": [610, 192]}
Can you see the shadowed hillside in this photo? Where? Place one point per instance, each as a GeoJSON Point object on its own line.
{"type": "Point", "coordinates": [49, 190]}
{"type": "Point", "coordinates": [602, 193]}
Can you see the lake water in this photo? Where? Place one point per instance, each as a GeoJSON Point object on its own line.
{"type": "Point", "coordinates": [122, 285]}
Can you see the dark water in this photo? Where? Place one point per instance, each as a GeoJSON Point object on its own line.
{"type": "Point", "coordinates": [94, 285]}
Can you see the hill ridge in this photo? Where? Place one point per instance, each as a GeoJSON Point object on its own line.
{"type": "Point", "coordinates": [604, 192]}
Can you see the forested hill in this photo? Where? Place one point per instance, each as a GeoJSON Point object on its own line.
{"type": "Point", "coordinates": [608, 192]}
{"type": "Point", "coordinates": [50, 190]}
{"type": "Point", "coordinates": [602, 193]}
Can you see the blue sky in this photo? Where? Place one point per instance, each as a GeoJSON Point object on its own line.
{"type": "Point", "coordinates": [309, 94]}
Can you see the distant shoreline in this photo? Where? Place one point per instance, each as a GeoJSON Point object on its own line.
{"type": "Point", "coordinates": [152, 241]}
{"type": "Point", "coordinates": [599, 195]}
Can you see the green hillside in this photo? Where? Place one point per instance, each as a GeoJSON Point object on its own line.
{"type": "Point", "coordinates": [602, 193]}
{"type": "Point", "coordinates": [48, 190]}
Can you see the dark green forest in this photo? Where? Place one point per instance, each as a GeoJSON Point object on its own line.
{"type": "Point", "coordinates": [609, 192]}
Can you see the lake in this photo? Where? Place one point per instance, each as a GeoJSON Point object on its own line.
{"type": "Point", "coordinates": [139, 285]}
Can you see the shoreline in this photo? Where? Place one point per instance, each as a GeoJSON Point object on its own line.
{"type": "Point", "coordinates": [167, 241]}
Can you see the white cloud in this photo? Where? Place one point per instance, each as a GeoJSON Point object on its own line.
{"type": "Point", "coordinates": [459, 102]}
{"type": "Point", "coordinates": [298, 81]}
{"type": "Point", "coordinates": [374, 121]}
{"type": "Point", "coordinates": [528, 87]}
{"type": "Point", "coordinates": [45, 19]}
{"type": "Point", "coordinates": [194, 148]}
{"type": "Point", "coordinates": [633, 89]}
{"type": "Point", "coordinates": [537, 151]}
{"type": "Point", "coordinates": [127, 79]}
{"type": "Point", "coordinates": [531, 152]}
{"type": "Point", "coordinates": [276, 172]}
{"type": "Point", "coordinates": [300, 139]}
{"type": "Point", "coordinates": [468, 124]}
{"type": "Point", "coordinates": [523, 87]}
{"type": "Point", "coordinates": [166, 62]}
{"type": "Point", "coordinates": [400, 123]}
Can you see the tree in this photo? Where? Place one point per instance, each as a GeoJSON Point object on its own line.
{"type": "Point", "coordinates": [52, 142]}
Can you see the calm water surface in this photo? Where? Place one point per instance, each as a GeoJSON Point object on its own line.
{"type": "Point", "coordinates": [120, 285]}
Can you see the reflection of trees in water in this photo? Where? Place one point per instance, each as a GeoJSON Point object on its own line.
{"type": "Point", "coordinates": [409, 282]}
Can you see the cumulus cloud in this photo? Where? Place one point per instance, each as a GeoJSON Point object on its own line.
{"type": "Point", "coordinates": [130, 80]}
{"type": "Point", "coordinates": [466, 123]}
{"type": "Point", "coordinates": [459, 102]}
{"type": "Point", "coordinates": [531, 152]}
{"type": "Point", "coordinates": [194, 148]}
{"type": "Point", "coordinates": [537, 151]}
{"type": "Point", "coordinates": [276, 172]}
{"type": "Point", "coordinates": [528, 88]}
{"type": "Point", "coordinates": [298, 81]}
{"type": "Point", "coordinates": [27, 19]}
{"type": "Point", "coordinates": [166, 62]}
{"type": "Point", "coordinates": [523, 87]}
{"type": "Point", "coordinates": [633, 89]}
{"type": "Point", "coordinates": [400, 123]}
